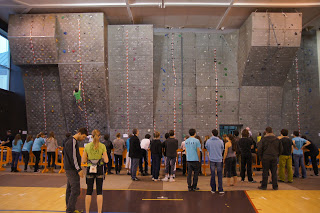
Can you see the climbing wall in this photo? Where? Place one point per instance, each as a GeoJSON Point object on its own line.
{"type": "Point", "coordinates": [130, 59]}
{"type": "Point", "coordinates": [43, 100]}
{"type": "Point", "coordinates": [308, 86]}
{"type": "Point", "coordinates": [76, 42]}
{"type": "Point", "coordinates": [194, 57]}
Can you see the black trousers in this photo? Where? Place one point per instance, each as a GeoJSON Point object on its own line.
{"type": "Point", "coordinates": [118, 162]}
{"type": "Point", "coordinates": [25, 155]}
{"type": "Point", "coordinates": [184, 162]}
{"type": "Point", "coordinates": [53, 155]}
{"type": "Point", "coordinates": [193, 166]}
{"type": "Point", "coordinates": [246, 161]}
{"type": "Point", "coordinates": [73, 189]}
{"type": "Point", "coordinates": [269, 164]}
{"type": "Point", "coordinates": [37, 155]}
{"type": "Point", "coordinates": [108, 166]}
{"type": "Point", "coordinates": [313, 156]}
{"type": "Point", "coordinates": [145, 159]}
{"type": "Point", "coordinates": [156, 158]}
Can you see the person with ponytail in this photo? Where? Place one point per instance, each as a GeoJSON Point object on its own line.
{"type": "Point", "coordinates": [26, 151]}
{"type": "Point", "coordinates": [52, 145]}
{"type": "Point", "coordinates": [229, 159]}
{"type": "Point", "coordinates": [36, 149]}
{"type": "Point", "coordinates": [95, 154]}
{"type": "Point", "coordinates": [16, 150]}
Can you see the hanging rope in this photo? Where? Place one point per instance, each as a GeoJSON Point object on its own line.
{"type": "Point", "coordinates": [81, 74]}
{"type": "Point", "coordinates": [216, 79]}
{"type": "Point", "coordinates": [31, 43]}
{"type": "Point", "coordinates": [44, 103]}
{"type": "Point", "coordinates": [127, 67]}
{"type": "Point", "coordinates": [175, 85]}
{"type": "Point", "coordinates": [298, 94]}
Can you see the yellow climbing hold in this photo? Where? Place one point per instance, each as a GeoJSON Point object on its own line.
{"type": "Point", "coordinates": [56, 40]}
{"type": "Point", "coordinates": [78, 60]}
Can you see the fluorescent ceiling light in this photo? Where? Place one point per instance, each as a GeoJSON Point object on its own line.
{"type": "Point", "coordinates": [196, 4]}
{"type": "Point", "coordinates": [239, 4]}
{"type": "Point", "coordinates": [73, 5]}
{"type": "Point", "coordinates": [145, 4]}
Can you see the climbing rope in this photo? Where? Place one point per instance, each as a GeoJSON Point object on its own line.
{"type": "Point", "coordinates": [216, 79]}
{"type": "Point", "coordinates": [175, 85]}
{"type": "Point", "coordinates": [44, 103]}
{"type": "Point", "coordinates": [127, 67]}
{"type": "Point", "coordinates": [298, 94]}
{"type": "Point", "coordinates": [81, 74]}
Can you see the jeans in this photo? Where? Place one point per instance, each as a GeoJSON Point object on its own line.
{"type": "Point", "coordinates": [269, 164]}
{"type": "Point", "coordinates": [118, 162]}
{"type": "Point", "coordinates": [170, 164]}
{"type": "Point", "coordinates": [53, 155]}
{"type": "Point", "coordinates": [193, 166]}
{"type": "Point", "coordinates": [15, 159]}
{"type": "Point", "coordinates": [37, 154]}
{"type": "Point", "coordinates": [73, 189]}
{"type": "Point", "coordinates": [134, 167]}
{"type": "Point", "coordinates": [25, 159]}
{"type": "Point", "coordinates": [298, 161]}
{"type": "Point", "coordinates": [285, 161]}
{"type": "Point", "coordinates": [108, 166]}
{"type": "Point", "coordinates": [145, 159]}
{"type": "Point", "coordinates": [156, 158]}
{"type": "Point", "coordinates": [246, 160]}
{"type": "Point", "coordinates": [213, 166]}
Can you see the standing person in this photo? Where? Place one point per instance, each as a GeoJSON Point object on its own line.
{"type": "Point", "coordinates": [95, 154]}
{"type": "Point", "coordinates": [9, 139]}
{"type": "Point", "coordinates": [135, 154]}
{"type": "Point", "coordinates": [109, 147]}
{"type": "Point", "coordinates": [299, 144]}
{"type": "Point", "coordinates": [16, 151]}
{"type": "Point", "coordinates": [269, 150]}
{"type": "Point", "coordinates": [193, 147]}
{"type": "Point", "coordinates": [68, 135]}
{"type": "Point", "coordinates": [313, 153]}
{"type": "Point", "coordinates": [238, 153]}
{"type": "Point", "coordinates": [259, 137]}
{"type": "Point", "coordinates": [128, 159]}
{"type": "Point", "coordinates": [184, 158]}
{"type": "Point", "coordinates": [52, 145]}
{"type": "Point", "coordinates": [72, 165]}
{"type": "Point", "coordinates": [166, 136]}
{"type": "Point", "coordinates": [230, 160]}
{"type": "Point", "coordinates": [118, 146]}
{"type": "Point", "coordinates": [145, 144]}
{"type": "Point", "coordinates": [77, 95]}
{"type": "Point", "coordinates": [199, 138]}
{"type": "Point", "coordinates": [156, 154]}
{"type": "Point", "coordinates": [245, 145]}
{"type": "Point", "coordinates": [215, 148]}
{"type": "Point", "coordinates": [171, 147]}
{"type": "Point", "coordinates": [285, 159]}
{"type": "Point", "coordinates": [26, 151]}
{"type": "Point", "coordinates": [36, 149]}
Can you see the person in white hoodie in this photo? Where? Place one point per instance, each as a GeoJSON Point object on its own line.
{"type": "Point", "coordinates": [52, 145]}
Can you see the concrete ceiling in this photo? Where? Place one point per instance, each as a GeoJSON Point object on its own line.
{"type": "Point", "coordinates": [213, 14]}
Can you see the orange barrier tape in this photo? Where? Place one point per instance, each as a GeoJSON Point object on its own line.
{"type": "Point", "coordinates": [4, 152]}
{"type": "Point", "coordinates": [59, 151]}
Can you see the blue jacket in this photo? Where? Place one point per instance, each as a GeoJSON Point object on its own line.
{"type": "Point", "coordinates": [17, 148]}
{"type": "Point", "coordinates": [37, 144]}
{"type": "Point", "coordinates": [215, 148]}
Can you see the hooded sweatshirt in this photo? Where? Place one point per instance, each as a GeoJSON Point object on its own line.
{"type": "Point", "coordinates": [215, 148]}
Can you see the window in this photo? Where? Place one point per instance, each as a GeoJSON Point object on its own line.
{"type": "Point", "coordinates": [4, 63]}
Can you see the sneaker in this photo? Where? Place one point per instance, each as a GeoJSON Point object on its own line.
{"type": "Point", "coordinates": [196, 189]}
{"type": "Point", "coordinates": [276, 188]}
{"type": "Point", "coordinates": [128, 173]}
{"type": "Point", "coordinates": [190, 189]}
{"type": "Point", "coordinates": [152, 178]}
{"type": "Point", "coordinates": [222, 192]}
{"type": "Point", "coordinates": [261, 188]}
{"type": "Point", "coordinates": [135, 179]}
{"type": "Point", "coordinates": [253, 181]}
{"type": "Point", "coordinates": [77, 211]}
{"type": "Point", "coordinates": [242, 180]}
{"type": "Point", "coordinates": [110, 173]}
{"type": "Point", "coordinates": [316, 174]}
{"type": "Point", "coordinates": [172, 180]}
{"type": "Point", "coordinates": [213, 192]}
{"type": "Point", "coordinates": [155, 180]}
{"type": "Point", "coordinates": [165, 179]}
{"type": "Point", "coordinates": [281, 181]}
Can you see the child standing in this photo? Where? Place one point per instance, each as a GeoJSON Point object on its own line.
{"type": "Point", "coordinates": [36, 149]}
{"type": "Point", "coordinates": [52, 145]}
{"type": "Point", "coordinates": [26, 151]}
{"type": "Point", "coordinates": [16, 150]}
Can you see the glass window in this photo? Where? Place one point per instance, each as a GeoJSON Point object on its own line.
{"type": "Point", "coordinates": [4, 63]}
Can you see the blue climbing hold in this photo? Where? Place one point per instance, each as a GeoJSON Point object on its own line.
{"type": "Point", "coordinates": [310, 90]}
{"type": "Point", "coordinates": [65, 33]}
{"type": "Point", "coordinates": [163, 89]}
{"type": "Point", "coordinates": [163, 69]}
{"type": "Point", "coordinates": [163, 84]}
{"type": "Point", "coordinates": [64, 51]}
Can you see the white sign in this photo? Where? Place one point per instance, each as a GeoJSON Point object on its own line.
{"type": "Point", "coordinates": [126, 135]}
{"type": "Point", "coordinates": [26, 132]}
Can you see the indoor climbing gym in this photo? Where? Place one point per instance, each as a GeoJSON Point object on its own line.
{"type": "Point", "coordinates": [159, 106]}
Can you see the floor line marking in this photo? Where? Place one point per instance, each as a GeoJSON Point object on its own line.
{"type": "Point", "coordinates": [254, 207]}
{"type": "Point", "coordinates": [163, 199]}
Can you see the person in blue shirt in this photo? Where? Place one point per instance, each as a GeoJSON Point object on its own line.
{"type": "Point", "coordinates": [299, 144]}
{"type": "Point", "coordinates": [215, 147]}
{"type": "Point", "coordinates": [26, 151]}
{"type": "Point", "coordinates": [16, 150]}
{"type": "Point", "coordinates": [36, 149]}
{"type": "Point", "coordinates": [193, 147]}
{"type": "Point", "coordinates": [128, 159]}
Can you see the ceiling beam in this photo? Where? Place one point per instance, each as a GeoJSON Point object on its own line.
{"type": "Point", "coordinates": [311, 20]}
{"type": "Point", "coordinates": [129, 12]}
{"type": "Point", "coordinates": [225, 15]}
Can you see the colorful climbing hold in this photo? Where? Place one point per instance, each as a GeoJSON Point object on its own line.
{"type": "Point", "coordinates": [64, 51]}
{"type": "Point", "coordinates": [221, 96]}
{"type": "Point", "coordinates": [226, 74]}
{"type": "Point", "coordinates": [62, 17]}
{"type": "Point", "coordinates": [73, 51]}
{"type": "Point", "coordinates": [189, 94]}
{"type": "Point", "coordinates": [219, 62]}
{"type": "Point", "coordinates": [225, 68]}
{"type": "Point", "coordinates": [65, 33]}
{"type": "Point", "coordinates": [179, 35]}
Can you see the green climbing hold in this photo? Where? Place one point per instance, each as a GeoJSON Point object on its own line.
{"type": "Point", "coordinates": [180, 103]}
{"type": "Point", "coordinates": [225, 68]}
{"type": "Point", "coordinates": [180, 35]}
{"type": "Point", "coordinates": [180, 121]}
{"type": "Point", "coordinates": [232, 110]}
{"type": "Point", "coordinates": [221, 96]}
{"type": "Point", "coordinates": [218, 104]}
{"type": "Point", "coordinates": [220, 110]}
{"type": "Point", "coordinates": [240, 119]}
{"type": "Point", "coordinates": [189, 94]}
{"type": "Point", "coordinates": [179, 107]}
{"type": "Point", "coordinates": [62, 17]}
{"type": "Point", "coordinates": [219, 62]}
{"type": "Point", "coordinates": [226, 74]}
